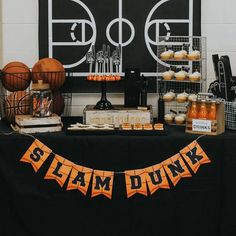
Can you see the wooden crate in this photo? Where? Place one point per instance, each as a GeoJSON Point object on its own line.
{"type": "Point", "coordinates": [217, 126]}
{"type": "Point", "coordinates": [118, 115]}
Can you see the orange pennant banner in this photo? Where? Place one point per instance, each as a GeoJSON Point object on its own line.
{"type": "Point", "coordinates": [195, 156]}
{"type": "Point", "coordinates": [36, 155]}
{"type": "Point", "coordinates": [102, 183]}
{"type": "Point", "coordinates": [80, 178]}
{"type": "Point", "coordinates": [59, 170]}
{"type": "Point", "coordinates": [136, 182]}
{"type": "Point", "coordinates": [176, 168]}
{"type": "Point", "coordinates": [156, 178]}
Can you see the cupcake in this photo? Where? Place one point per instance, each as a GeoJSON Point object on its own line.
{"type": "Point", "coordinates": [179, 119]}
{"type": "Point", "coordinates": [184, 52]}
{"type": "Point", "coordinates": [196, 76]}
{"type": "Point", "coordinates": [168, 97]}
{"type": "Point", "coordinates": [171, 52]}
{"type": "Point", "coordinates": [182, 97]}
{"type": "Point", "coordinates": [166, 55]}
{"type": "Point", "coordinates": [169, 118]}
{"type": "Point", "coordinates": [181, 75]}
{"type": "Point", "coordinates": [194, 55]}
{"type": "Point", "coordinates": [192, 97]}
{"type": "Point", "coordinates": [179, 55]}
{"type": "Point", "coordinates": [168, 75]}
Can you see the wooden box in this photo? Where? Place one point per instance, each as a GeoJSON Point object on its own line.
{"type": "Point", "coordinates": [117, 116]}
{"type": "Point", "coordinates": [29, 124]}
{"type": "Point", "coordinates": [209, 127]}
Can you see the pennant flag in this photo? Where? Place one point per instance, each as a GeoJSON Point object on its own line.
{"type": "Point", "coordinates": [176, 168]}
{"type": "Point", "coordinates": [195, 156]}
{"type": "Point", "coordinates": [102, 183]}
{"type": "Point", "coordinates": [36, 155]}
{"type": "Point", "coordinates": [136, 182]}
{"type": "Point", "coordinates": [80, 178]}
{"type": "Point", "coordinates": [156, 178]}
{"type": "Point", "coordinates": [59, 170]}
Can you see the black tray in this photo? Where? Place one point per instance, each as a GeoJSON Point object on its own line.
{"type": "Point", "coordinates": [118, 131]}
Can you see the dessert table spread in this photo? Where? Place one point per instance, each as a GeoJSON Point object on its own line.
{"type": "Point", "coordinates": [201, 205]}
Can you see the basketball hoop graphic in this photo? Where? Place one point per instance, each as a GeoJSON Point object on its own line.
{"type": "Point", "coordinates": [166, 23]}
{"type": "Point", "coordinates": [75, 23]}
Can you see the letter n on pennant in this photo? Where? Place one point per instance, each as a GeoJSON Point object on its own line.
{"type": "Point", "coordinates": [176, 168]}
{"type": "Point", "coordinates": [80, 178]}
{"type": "Point", "coordinates": [195, 156]}
{"type": "Point", "coordinates": [102, 183]}
{"type": "Point", "coordinates": [156, 178]}
{"type": "Point", "coordinates": [136, 182]}
{"type": "Point", "coordinates": [36, 154]}
{"type": "Point", "coordinates": [59, 170]}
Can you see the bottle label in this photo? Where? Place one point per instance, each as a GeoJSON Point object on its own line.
{"type": "Point", "coordinates": [201, 125]}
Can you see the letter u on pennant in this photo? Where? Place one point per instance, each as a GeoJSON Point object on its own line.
{"type": "Point", "coordinates": [36, 154]}
{"type": "Point", "coordinates": [102, 183]}
{"type": "Point", "coordinates": [195, 156]}
{"type": "Point", "coordinates": [59, 170]}
{"type": "Point", "coordinates": [176, 168]}
{"type": "Point", "coordinates": [136, 182]}
{"type": "Point", "coordinates": [156, 178]}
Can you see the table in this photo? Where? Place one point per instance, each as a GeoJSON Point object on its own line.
{"type": "Point", "coordinates": [201, 205]}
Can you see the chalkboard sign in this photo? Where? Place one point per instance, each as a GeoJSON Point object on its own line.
{"type": "Point", "coordinates": [68, 29]}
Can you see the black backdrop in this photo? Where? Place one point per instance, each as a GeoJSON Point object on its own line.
{"type": "Point", "coordinates": [72, 23]}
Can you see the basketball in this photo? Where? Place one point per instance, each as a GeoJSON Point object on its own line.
{"type": "Point", "coordinates": [58, 103]}
{"type": "Point", "coordinates": [17, 103]}
{"type": "Point", "coordinates": [50, 71]}
{"type": "Point", "coordinates": [16, 76]}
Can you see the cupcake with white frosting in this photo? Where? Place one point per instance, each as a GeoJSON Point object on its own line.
{"type": "Point", "coordinates": [168, 97]}
{"type": "Point", "coordinates": [182, 97]}
{"type": "Point", "coordinates": [181, 75]}
{"type": "Point", "coordinates": [196, 76]}
{"type": "Point", "coordinates": [194, 55]}
{"type": "Point", "coordinates": [192, 97]}
{"type": "Point", "coordinates": [166, 55]}
{"type": "Point", "coordinates": [168, 75]}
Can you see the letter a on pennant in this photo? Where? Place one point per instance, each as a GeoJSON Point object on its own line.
{"type": "Point", "coordinates": [80, 178]}
{"type": "Point", "coordinates": [59, 170]}
{"type": "Point", "coordinates": [156, 178]}
{"type": "Point", "coordinates": [176, 168]}
{"type": "Point", "coordinates": [102, 183]}
{"type": "Point", "coordinates": [36, 155]}
{"type": "Point", "coordinates": [136, 182]}
{"type": "Point", "coordinates": [195, 156]}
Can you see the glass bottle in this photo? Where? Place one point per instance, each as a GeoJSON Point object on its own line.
{"type": "Point", "coordinates": [193, 112]}
{"type": "Point", "coordinates": [212, 112]}
{"type": "Point", "coordinates": [202, 114]}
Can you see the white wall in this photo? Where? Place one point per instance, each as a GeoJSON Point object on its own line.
{"type": "Point", "coordinates": [20, 38]}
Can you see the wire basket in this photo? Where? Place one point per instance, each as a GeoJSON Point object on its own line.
{"type": "Point", "coordinates": [15, 93]}
{"type": "Point", "coordinates": [230, 115]}
{"type": "Point", "coordinates": [176, 44]}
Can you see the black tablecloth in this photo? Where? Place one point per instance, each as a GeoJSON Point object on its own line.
{"type": "Point", "coordinates": [201, 205]}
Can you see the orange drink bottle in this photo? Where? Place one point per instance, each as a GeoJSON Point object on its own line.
{"type": "Point", "coordinates": [202, 114]}
{"type": "Point", "coordinates": [193, 112]}
{"type": "Point", "coordinates": [212, 112]}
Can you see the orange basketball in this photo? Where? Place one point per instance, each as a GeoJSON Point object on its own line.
{"type": "Point", "coordinates": [58, 103]}
{"type": "Point", "coordinates": [50, 71]}
{"type": "Point", "coordinates": [16, 76]}
{"type": "Point", "coordinates": [17, 103]}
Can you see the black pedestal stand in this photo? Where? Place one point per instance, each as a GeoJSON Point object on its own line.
{"type": "Point", "coordinates": [103, 104]}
